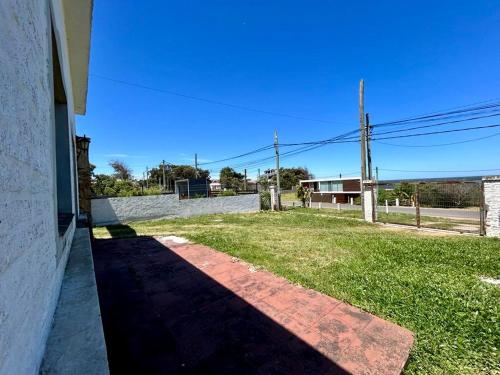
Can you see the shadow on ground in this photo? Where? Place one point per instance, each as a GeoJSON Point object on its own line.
{"type": "Point", "coordinates": [162, 315]}
{"type": "Point", "coordinates": [121, 231]}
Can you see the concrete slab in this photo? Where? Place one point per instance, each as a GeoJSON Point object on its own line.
{"type": "Point", "coordinates": [171, 307]}
{"type": "Point", "coordinates": [76, 343]}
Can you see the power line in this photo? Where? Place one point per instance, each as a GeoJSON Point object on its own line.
{"type": "Point", "coordinates": [442, 144]}
{"type": "Point", "coordinates": [209, 101]}
{"type": "Point", "coordinates": [438, 116]}
{"type": "Point", "coordinates": [434, 171]}
{"type": "Point", "coordinates": [438, 124]}
{"type": "Point", "coordinates": [439, 132]}
{"type": "Point", "coordinates": [344, 138]}
{"type": "Point", "coordinates": [239, 156]}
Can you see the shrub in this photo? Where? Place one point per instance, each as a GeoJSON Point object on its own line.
{"type": "Point", "coordinates": [265, 200]}
{"type": "Point", "coordinates": [227, 193]}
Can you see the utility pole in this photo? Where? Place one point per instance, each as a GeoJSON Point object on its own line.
{"type": "Point", "coordinates": [258, 174]}
{"type": "Point", "coordinates": [163, 167]}
{"type": "Point", "coordinates": [245, 181]}
{"type": "Point", "coordinates": [362, 134]}
{"type": "Point", "coordinates": [368, 146]}
{"type": "Point", "coordinates": [277, 152]}
{"type": "Point", "coordinates": [370, 171]}
{"type": "Point", "coordinates": [196, 164]}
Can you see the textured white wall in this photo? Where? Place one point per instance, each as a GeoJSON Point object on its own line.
{"type": "Point", "coordinates": [492, 201]}
{"type": "Point", "coordinates": [118, 210]}
{"type": "Point", "coordinates": [30, 275]}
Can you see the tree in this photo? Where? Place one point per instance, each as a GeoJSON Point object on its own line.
{"type": "Point", "coordinates": [105, 185]}
{"type": "Point", "coordinates": [230, 179]}
{"type": "Point", "coordinates": [290, 177]}
{"type": "Point", "coordinates": [122, 171]}
{"type": "Point", "coordinates": [175, 172]}
{"type": "Point", "coordinates": [303, 193]}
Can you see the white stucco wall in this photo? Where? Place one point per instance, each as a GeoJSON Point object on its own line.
{"type": "Point", "coordinates": [119, 210]}
{"type": "Point", "coordinates": [30, 274]}
{"type": "Point", "coordinates": [492, 203]}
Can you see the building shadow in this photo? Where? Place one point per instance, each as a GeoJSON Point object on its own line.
{"type": "Point", "coordinates": [162, 315]}
{"type": "Point", "coordinates": [121, 231]}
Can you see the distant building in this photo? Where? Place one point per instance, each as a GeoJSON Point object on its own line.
{"type": "Point", "coordinates": [215, 186]}
{"type": "Point", "coordinates": [333, 190]}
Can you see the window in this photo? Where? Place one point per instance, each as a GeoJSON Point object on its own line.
{"type": "Point", "coordinates": [330, 186]}
{"type": "Point", "coordinates": [63, 146]}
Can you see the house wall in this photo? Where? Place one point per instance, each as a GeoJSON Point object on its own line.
{"type": "Point", "coordinates": [119, 210]}
{"type": "Point", "coordinates": [30, 268]}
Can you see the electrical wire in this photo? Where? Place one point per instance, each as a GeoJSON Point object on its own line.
{"type": "Point", "coordinates": [441, 144]}
{"type": "Point", "coordinates": [460, 171]}
{"type": "Point", "coordinates": [209, 101]}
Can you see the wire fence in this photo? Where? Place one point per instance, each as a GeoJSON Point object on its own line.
{"type": "Point", "coordinates": [450, 205]}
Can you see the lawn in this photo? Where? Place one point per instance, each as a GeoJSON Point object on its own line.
{"type": "Point", "coordinates": [426, 283]}
{"type": "Point", "coordinates": [289, 197]}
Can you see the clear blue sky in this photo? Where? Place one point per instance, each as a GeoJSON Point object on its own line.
{"type": "Point", "coordinates": [293, 57]}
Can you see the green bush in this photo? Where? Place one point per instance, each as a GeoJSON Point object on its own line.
{"type": "Point", "coordinates": [265, 200]}
{"type": "Point", "coordinates": [227, 193]}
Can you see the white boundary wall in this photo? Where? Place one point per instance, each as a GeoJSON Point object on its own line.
{"type": "Point", "coordinates": [492, 205]}
{"type": "Point", "coordinates": [107, 211]}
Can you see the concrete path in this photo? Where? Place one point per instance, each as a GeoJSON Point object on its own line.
{"type": "Point", "coordinates": [172, 308]}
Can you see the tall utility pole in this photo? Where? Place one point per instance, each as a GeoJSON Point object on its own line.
{"type": "Point", "coordinates": [362, 134]}
{"type": "Point", "coordinates": [370, 171]}
{"type": "Point", "coordinates": [245, 181]}
{"type": "Point", "coordinates": [258, 174]}
{"type": "Point", "coordinates": [277, 152]}
{"type": "Point", "coordinates": [196, 165]}
{"type": "Point", "coordinates": [368, 146]}
{"type": "Point", "coordinates": [164, 182]}
{"type": "Point", "coordinates": [147, 177]}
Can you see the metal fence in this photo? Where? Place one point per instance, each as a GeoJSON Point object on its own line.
{"type": "Point", "coordinates": [450, 205]}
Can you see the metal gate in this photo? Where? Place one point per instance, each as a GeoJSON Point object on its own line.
{"type": "Point", "coordinates": [449, 204]}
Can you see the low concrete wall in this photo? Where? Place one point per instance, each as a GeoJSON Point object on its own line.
{"type": "Point", "coordinates": [492, 203]}
{"type": "Point", "coordinates": [119, 210]}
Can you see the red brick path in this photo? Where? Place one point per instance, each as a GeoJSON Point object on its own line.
{"type": "Point", "coordinates": [185, 308]}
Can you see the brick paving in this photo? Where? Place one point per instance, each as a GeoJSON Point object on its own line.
{"type": "Point", "coordinates": [172, 308]}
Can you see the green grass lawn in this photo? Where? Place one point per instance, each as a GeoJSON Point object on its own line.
{"type": "Point", "coordinates": [426, 283]}
{"type": "Point", "coordinates": [289, 197]}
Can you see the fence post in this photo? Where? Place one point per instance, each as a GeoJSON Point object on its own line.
{"type": "Point", "coordinates": [417, 204]}
{"type": "Point", "coordinates": [482, 212]}
{"type": "Point", "coordinates": [338, 206]}
{"type": "Point", "coordinates": [272, 190]}
{"type": "Point", "coordinates": [368, 199]}
{"type": "Point", "coordinates": [386, 206]}
{"type": "Point", "coordinates": [492, 206]}
{"type": "Point", "coordinates": [397, 202]}
{"type": "Point", "coordinates": [319, 205]}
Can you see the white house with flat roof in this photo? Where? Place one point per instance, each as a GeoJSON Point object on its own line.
{"type": "Point", "coordinates": [44, 54]}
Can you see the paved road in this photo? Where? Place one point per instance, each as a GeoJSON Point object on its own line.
{"type": "Point", "coordinates": [452, 213]}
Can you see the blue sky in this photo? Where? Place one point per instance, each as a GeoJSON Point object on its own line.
{"type": "Point", "coordinates": [293, 57]}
